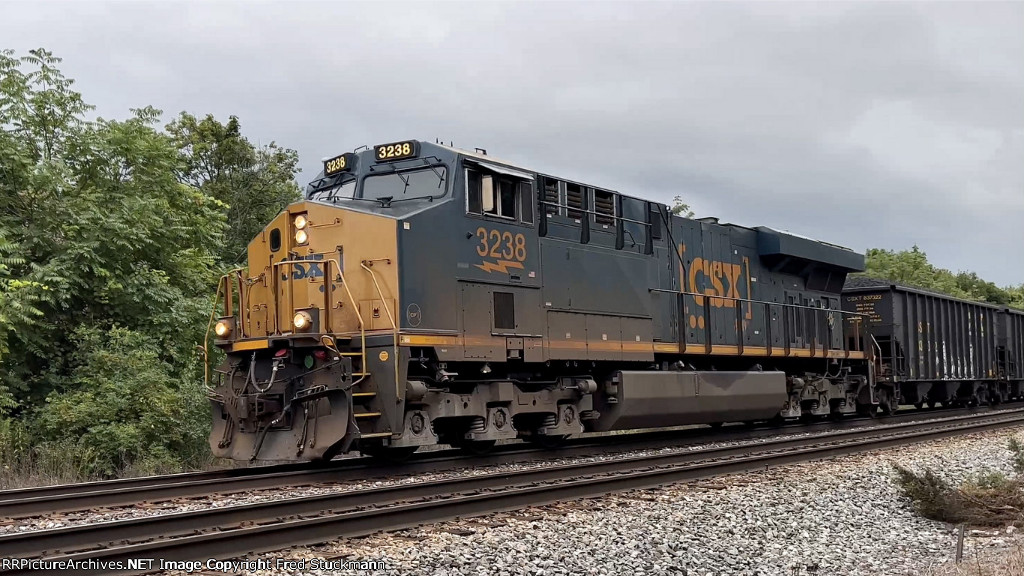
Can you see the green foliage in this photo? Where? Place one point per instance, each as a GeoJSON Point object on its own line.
{"type": "Point", "coordinates": [911, 267]}
{"type": "Point", "coordinates": [256, 183]}
{"type": "Point", "coordinates": [123, 403]}
{"type": "Point", "coordinates": [988, 498]}
{"type": "Point", "coordinates": [112, 237]}
{"type": "Point", "coordinates": [930, 494]}
{"type": "Point", "coordinates": [679, 208]}
{"type": "Point", "coordinates": [1016, 455]}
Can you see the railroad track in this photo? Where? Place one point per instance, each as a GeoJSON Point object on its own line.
{"type": "Point", "coordinates": [30, 502]}
{"type": "Point", "coordinates": [239, 530]}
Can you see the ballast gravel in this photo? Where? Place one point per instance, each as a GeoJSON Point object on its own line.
{"type": "Point", "coordinates": [85, 517]}
{"type": "Point", "coordinates": [838, 517]}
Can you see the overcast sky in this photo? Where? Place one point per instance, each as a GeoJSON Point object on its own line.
{"type": "Point", "coordinates": [867, 125]}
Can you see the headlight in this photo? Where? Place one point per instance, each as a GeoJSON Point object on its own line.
{"type": "Point", "coordinates": [301, 237]}
{"type": "Point", "coordinates": [222, 329]}
{"type": "Point", "coordinates": [300, 221]}
{"type": "Point", "coordinates": [302, 321]}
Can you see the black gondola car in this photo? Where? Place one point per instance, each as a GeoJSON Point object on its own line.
{"type": "Point", "coordinates": [937, 349]}
{"type": "Point", "coordinates": [1010, 347]}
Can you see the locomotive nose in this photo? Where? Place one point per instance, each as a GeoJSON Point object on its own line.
{"type": "Point", "coordinates": [317, 273]}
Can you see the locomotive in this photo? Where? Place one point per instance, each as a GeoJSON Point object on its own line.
{"type": "Point", "coordinates": [422, 294]}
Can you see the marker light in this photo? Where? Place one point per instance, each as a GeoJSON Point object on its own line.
{"type": "Point", "coordinates": [301, 237]}
{"type": "Point", "coordinates": [302, 320]}
{"type": "Point", "coordinates": [300, 222]}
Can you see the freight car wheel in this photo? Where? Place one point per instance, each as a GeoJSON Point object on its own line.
{"type": "Point", "coordinates": [919, 405]}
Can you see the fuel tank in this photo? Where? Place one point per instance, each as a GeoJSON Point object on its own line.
{"type": "Point", "coordinates": [649, 399]}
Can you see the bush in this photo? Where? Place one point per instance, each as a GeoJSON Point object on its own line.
{"type": "Point", "coordinates": [26, 463]}
{"type": "Point", "coordinates": [989, 498]}
{"type": "Point", "coordinates": [125, 407]}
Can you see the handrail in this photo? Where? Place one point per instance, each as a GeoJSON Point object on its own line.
{"type": "Point", "coordinates": [706, 309]}
{"type": "Point", "coordinates": [752, 301]}
{"type": "Point", "coordinates": [222, 285]}
{"type": "Point", "coordinates": [355, 306]}
{"type": "Point", "coordinates": [391, 318]}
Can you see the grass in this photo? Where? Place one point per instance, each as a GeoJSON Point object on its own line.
{"type": "Point", "coordinates": [25, 464]}
{"type": "Point", "coordinates": [997, 563]}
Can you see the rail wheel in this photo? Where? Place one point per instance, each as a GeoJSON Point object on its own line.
{"type": "Point", "coordinates": [932, 403]}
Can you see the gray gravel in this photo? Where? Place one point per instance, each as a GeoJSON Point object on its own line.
{"type": "Point", "coordinates": [190, 504]}
{"type": "Point", "coordinates": [842, 516]}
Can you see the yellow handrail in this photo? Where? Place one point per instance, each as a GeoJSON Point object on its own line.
{"type": "Point", "coordinates": [355, 308]}
{"type": "Point", "coordinates": [391, 318]}
{"type": "Point", "coordinates": [221, 285]}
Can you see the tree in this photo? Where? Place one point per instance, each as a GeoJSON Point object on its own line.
{"type": "Point", "coordinates": [911, 267]}
{"type": "Point", "coordinates": [255, 183]}
{"type": "Point", "coordinates": [112, 238]}
{"type": "Point", "coordinates": [681, 209]}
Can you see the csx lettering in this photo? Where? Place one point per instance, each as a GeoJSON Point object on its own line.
{"type": "Point", "coordinates": [300, 271]}
{"type": "Point", "coordinates": [503, 245]}
{"type": "Point", "coordinates": [311, 269]}
{"type": "Point", "coordinates": [717, 272]}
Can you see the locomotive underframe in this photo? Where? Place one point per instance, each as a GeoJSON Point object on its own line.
{"type": "Point", "coordinates": [304, 402]}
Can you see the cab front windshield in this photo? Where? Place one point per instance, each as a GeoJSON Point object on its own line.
{"type": "Point", "coordinates": [394, 186]}
{"type": "Point", "coordinates": [387, 187]}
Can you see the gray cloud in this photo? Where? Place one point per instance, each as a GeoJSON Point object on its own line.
{"type": "Point", "coordinates": [869, 125]}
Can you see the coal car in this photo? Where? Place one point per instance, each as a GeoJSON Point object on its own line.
{"type": "Point", "coordinates": [935, 349]}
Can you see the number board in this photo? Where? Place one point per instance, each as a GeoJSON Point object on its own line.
{"type": "Point", "coordinates": [396, 151]}
{"type": "Point", "coordinates": [338, 164]}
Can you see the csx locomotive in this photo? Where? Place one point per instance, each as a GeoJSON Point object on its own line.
{"type": "Point", "coordinates": [422, 294]}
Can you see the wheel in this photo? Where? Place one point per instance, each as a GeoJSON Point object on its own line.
{"type": "Point", "coordinates": [866, 410]}
{"type": "Point", "coordinates": [932, 403]}
{"type": "Point", "coordinates": [918, 405]}
{"type": "Point", "coordinates": [716, 425]}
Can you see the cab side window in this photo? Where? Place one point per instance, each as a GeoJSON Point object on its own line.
{"type": "Point", "coordinates": [498, 196]}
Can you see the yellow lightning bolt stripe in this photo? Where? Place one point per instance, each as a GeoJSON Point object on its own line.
{"type": "Point", "coordinates": [500, 266]}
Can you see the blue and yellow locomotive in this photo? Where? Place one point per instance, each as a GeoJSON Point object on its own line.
{"type": "Point", "coordinates": [422, 294]}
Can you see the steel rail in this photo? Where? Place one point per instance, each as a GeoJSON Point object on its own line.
{"type": "Point", "coordinates": [111, 493]}
{"type": "Point", "coordinates": [313, 519]}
